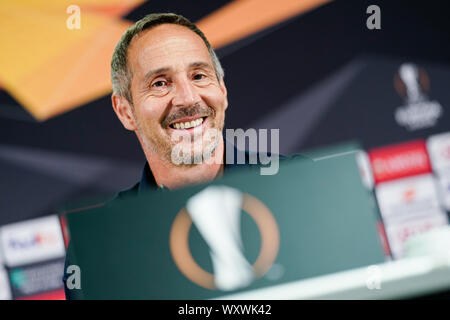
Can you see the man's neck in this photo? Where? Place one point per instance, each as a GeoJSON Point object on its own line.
{"type": "Point", "coordinates": [172, 176]}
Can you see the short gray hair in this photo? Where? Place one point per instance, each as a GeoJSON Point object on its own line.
{"type": "Point", "coordinates": [121, 74]}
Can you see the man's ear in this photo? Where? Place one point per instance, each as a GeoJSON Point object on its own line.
{"type": "Point", "coordinates": [124, 112]}
{"type": "Point", "coordinates": [225, 92]}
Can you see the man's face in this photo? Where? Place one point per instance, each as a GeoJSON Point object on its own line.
{"type": "Point", "coordinates": [174, 89]}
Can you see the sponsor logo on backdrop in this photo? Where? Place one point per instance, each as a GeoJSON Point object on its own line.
{"type": "Point", "coordinates": [408, 198]}
{"type": "Point", "coordinates": [40, 239]}
{"type": "Point", "coordinates": [216, 211]}
{"type": "Point", "coordinates": [408, 195]}
{"type": "Point", "coordinates": [399, 233]}
{"type": "Point", "coordinates": [439, 150]}
{"type": "Point", "coordinates": [36, 279]}
{"type": "Point", "coordinates": [400, 160]}
{"type": "Point", "coordinates": [32, 241]}
{"type": "Point", "coordinates": [409, 206]}
{"type": "Point", "coordinates": [418, 112]}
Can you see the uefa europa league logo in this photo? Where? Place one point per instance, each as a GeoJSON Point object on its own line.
{"type": "Point", "coordinates": [216, 212]}
{"type": "Point", "coordinates": [412, 84]}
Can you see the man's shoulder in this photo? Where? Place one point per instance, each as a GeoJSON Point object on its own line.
{"type": "Point", "coordinates": [147, 180]}
{"type": "Point", "coordinates": [126, 193]}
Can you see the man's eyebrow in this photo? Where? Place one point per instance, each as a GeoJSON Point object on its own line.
{"type": "Point", "coordinates": [198, 64]}
{"type": "Point", "coordinates": [149, 74]}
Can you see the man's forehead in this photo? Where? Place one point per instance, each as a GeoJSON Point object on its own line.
{"type": "Point", "coordinates": [166, 44]}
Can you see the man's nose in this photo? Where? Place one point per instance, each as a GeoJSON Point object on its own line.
{"type": "Point", "coordinates": [185, 93]}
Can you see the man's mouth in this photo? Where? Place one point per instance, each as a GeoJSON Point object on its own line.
{"type": "Point", "coordinates": [186, 123]}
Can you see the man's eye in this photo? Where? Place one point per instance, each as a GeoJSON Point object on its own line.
{"type": "Point", "coordinates": [159, 84]}
{"type": "Point", "coordinates": [199, 76]}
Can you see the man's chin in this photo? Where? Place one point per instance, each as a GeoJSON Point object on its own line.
{"type": "Point", "coordinates": [191, 155]}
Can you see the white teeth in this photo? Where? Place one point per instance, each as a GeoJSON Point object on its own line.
{"type": "Point", "coordinates": [187, 125]}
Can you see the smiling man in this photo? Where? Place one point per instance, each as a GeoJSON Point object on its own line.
{"type": "Point", "coordinates": [169, 89]}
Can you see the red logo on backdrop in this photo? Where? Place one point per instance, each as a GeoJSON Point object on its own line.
{"type": "Point", "coordinates": [409, 194]}
{"type": "Point", "coordinates": [399, 161]}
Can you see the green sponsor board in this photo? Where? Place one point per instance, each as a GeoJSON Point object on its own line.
{"type": "Point", "coordinates": [311, 218]}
